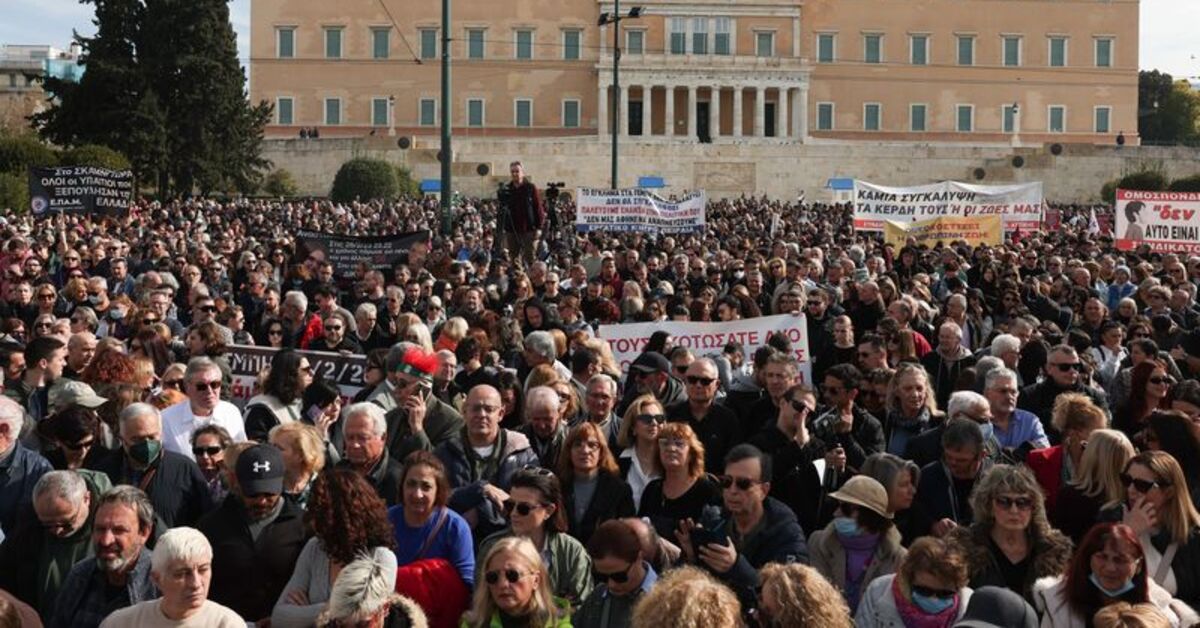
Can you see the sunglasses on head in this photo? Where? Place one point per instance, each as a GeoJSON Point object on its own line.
{"type": "Point", "coordinates": [743, 484]}
{"type": "Point", "coordinates": [511, 575]}
{"type": "Point", "coordinates": [1143, 486]}
{"type": "Point", "coordinates": [521, 508]}
{"type": "Point", "coordinates": [931, 592]}
{"type": "Point", "coordinates": [651, 419]}
{"type": "Point", "coordinates": [206, 451]}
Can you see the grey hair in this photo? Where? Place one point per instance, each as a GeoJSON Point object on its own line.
{"type": "Point", "coordinates": [963, 401]}
{"type": "Point", "coordinates": [607, 380]}
{"type": "Point", "coordinates": [362, 588]}
{"type": "Point", "coordinates": [1002, 373]}
{"type": "Point", "coordinates": [1005, 342]}
{"type": "Point", "coordinates": [12, 414]}
{"type": "Point", "coordinates": [366, 308]}
{"type": "Point", "coordinates": [138, 410]}
{"type": "Point", "coordinates": [542, 396]}
{"type": "Point", "coordinates": [395, 356]}
{"type": "Point", "coordinates": [542, 343]}
{"type": "Point", "coordinates": [374, 412]}
{"type": "Point", "coordinates": [198, 365]}
{"type": "Point", "coordinates": [885, 467]}
{"type": "Point", "coordinates": [65, 485]}
{"type": "Point", "coordinates": [962, 433]}
{"type": "Point", "coordinates": [984, 367]}
{"type": "Point", "coordinates": [132, 498]}
{"type": "Point", "coordinates": [88, 316]}
{"type": "Point", "coordinates": [296, 298]}
{"type": "Point", "coordinates": [953, 325]}
{"type": "Point", "coordinates": [185, 544]}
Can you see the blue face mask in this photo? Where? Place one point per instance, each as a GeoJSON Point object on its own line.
{"type": "Point", "coordinates": [1125, 588]}
{"type": "Point", "coordinates": [988, 430]}
{"type": "Point", "coordinates": [932, 605]}
{"type": "Point", "coordinates": [846, 526]}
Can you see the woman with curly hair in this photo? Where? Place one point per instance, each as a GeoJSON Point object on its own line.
{"type": "Point", "coordinates": [348, 518]}
{"type": "Point", "coordinates": [109, 367]}
{"type": "Point", "coordinates": [797, 595]}
{"type": "Point", "coordinates": [1011, 544]}
{"type": "Point", "coordinates": [688, 598]}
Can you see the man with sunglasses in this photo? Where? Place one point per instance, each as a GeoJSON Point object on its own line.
{"type": "Point", "coordinates": [845, 432]}
{"type": "Point", "coordinates": [202, 382]}
{"type": "Point", "coordinates": [1063, 373]}
{"type": "Point", "coordinates": [650, 373]}
{"type": "Point", "coordinates": [715, 425]}
{"type": "Point", "coordinates": [622, 575]}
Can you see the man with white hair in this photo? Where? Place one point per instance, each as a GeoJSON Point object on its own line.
{"type": "Point", "coordinates": [1019, 431]}
{"type": "Point", "coordinates": [544, 424]}
{"type": "Point", "coordinates": [598, 402]}
{"type": "Point", "coordinates": [365, 435]}
{"type": "Point", "coordinates": [299, 327]}
{"type": "Point", "coordinates": [963, 404]}
{"type": "Point", "coordinates": [1007, 347]}
{"type": "Point", "coordinates": [20, 467]}
{"type": "Point", "coordinates": [946, 364]}
{"type": "Point", "coordinates": [181, 568]}
{"type": "Point", "coordinates": [203, 406]}
{"type": "Point", "coordinates": [364, 595]}
{"type": "Point", "coordinates": [540, 349]}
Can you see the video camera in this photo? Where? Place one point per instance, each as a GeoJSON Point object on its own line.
{"type": "Point", "coordinates": [552, 190]}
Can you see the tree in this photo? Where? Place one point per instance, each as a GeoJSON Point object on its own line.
{"type": "Point", "coordinates": [20, 152]}
{"type": "Point", "coordinates": [407, 186]}
{"type": "Point", "coordinates": [365, 180]}
{"type": "Point", "coordinates": [1168, 110]}
{"type": "Point", "coordinates": [94, 155]}
{"type": "Point", "coordinates": [1145, 180]}
{"type": "Point", "coordinates": [1186, 184]}
{"type": "Point", "coordinates": [280, 183]}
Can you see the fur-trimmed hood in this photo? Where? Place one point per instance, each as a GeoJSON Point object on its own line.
{"type": "Point", "coordinates": [402, 612]}
{"type": "Point", "coordinates": [1050, 553]}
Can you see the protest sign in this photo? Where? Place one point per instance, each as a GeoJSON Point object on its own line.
{"type": "Point", "coordinates": [1020, 205]}
{"type": "Point", "coordinates": [1166, 221]}
{"type": "Point", "coordinates": [975, 231]}
{"type": "Point", "coordinates": [628, 341]}
{"type": "Point", "coordinates": [80, 190]}
{"type": "Point", "coordinates": [346, 252]}
{"type": "Point", "coordinates": [637, 210]}
{"type": "Point", "coordinates": [245, 362]}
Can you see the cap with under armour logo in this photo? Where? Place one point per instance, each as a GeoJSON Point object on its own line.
{"type": "Point", "coordinates": [260, 470]}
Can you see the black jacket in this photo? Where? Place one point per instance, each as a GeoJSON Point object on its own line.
{"type": "Point", "coordinates": [177, 489]}
{"type": "Point", "coordinates": [796, 482]}
{"type": "Point", "coordinates": [778, 538]}
{"type": "Point", "coordinates": [613, 500]}
{"type": "Point", "coordinates": [248, 575]}
{"type": "Point", "coordinates": [1039, 399]}
{"type": "Point", "coordinates": [864, 438]}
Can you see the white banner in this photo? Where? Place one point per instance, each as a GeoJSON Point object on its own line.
{"type": "Point", "coordinates": [1020, 205]}
{"type": "Point", "coordinates": [1166, 221]}
{"type": "Point", "coordinates": [637, 210]}
{"type": "Point", "coordinates": [628, 341]}
{"type": "Point", "coordinates": [246, 362]}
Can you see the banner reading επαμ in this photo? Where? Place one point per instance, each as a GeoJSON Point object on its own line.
{"type": "Point", "coordinates": [1019, 205]}
{"type": "Point", "coordinates": [637, 210]}
{"type": "Point", "coordinates": [1166, 221]}
{"type": "Point", "coordinates": [80, 190]}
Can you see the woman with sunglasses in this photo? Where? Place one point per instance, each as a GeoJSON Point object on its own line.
{"type": "Point", "coordinates": [1150, 385]}
{"type": "Point", "coordinates": [43, 325]}
{"type": "Point", "coordinates": [1109, 567]}
{"type": "Point", "coordinates": [272, 333]}
{"type": "Point", "coordinates": [860, 544]}
{"type": "Point", "coordinates": [535, 511]}
{"type": "Point", "coordinates": [596, 492]}
{"type": "Point", "coordinates": [1097, 483]}
{"type": "Point", "coordinates": [928, 590]}
{"type": "Point", "coordinates": [685, 491]}
{"type": "Point", "coordinates": [1010, 544]}
{"type": "Point", "coordinates": [639, 461]}
{"type": "Point", "coordinates": [1158, 508]}
{"type": "Point", "coordinates": [279, 403]}
{"type": "Point", "coordinates": [515, 590]}
{"type": "Point", "coordinates": [77, 434]}
{"type": "Point", "coordinates": [208, 446]}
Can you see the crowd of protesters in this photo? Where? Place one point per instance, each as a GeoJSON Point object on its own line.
{"type": "Point", "coordinates": [991, 436]}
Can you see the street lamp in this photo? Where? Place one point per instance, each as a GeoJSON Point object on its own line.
{"type": "Point", "coordinates": [391, 116]}
{"type": "Point", "coordinates": [615, 18]}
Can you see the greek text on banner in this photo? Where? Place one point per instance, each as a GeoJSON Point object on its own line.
{"type": "Point", "coordinates": [1165, 221]}
{"type": "Point", "coordinates": [80, 190]}
{"type": "Point", "coordinates": [637, 210]}
{"type": "Point", "coordinates": [1020, 205]}
{"type": "Point", "coordinates": [628, 341]}
{"type": "Point", "coordinates": [975, 231]}
{"type": "Point", "coordinates": [245, 363]}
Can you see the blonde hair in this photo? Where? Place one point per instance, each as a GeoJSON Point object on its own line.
{"type": "Point", "coordinates": [541, 375]}
{"type": "Point", "coordinates": [907, 369]}
{"type": "Point", "coordinates": [1126, 615]}
{"type": "Point", "coordinates": [306, 439]}
{"type": "Point", "coordinates": [1075, 411]}
{"type": "Point", "coordinates": [543, 610]}
{"type": "Point", "coordinates": [1099, 472]}
{"type": "Point", "coordinates": [1008, 479]}
{"type": "Point", "coordinates": [688, 598]}
{"type": "Point", "coordinates": [805, 597]}
{"type": "Point", "coordinates": [1178, 515]}
{"type": "Point", "coordinates": [454, 329]}
{"type": "Point", "coordinates": [625, 437]}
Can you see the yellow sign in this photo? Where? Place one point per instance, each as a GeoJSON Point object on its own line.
{"type": "Point", "coordinates": [975, 231]}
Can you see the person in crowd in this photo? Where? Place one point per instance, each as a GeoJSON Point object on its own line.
{"type": "Point", "coordinates": [535, 512]}
{"type": "Point", "coordinates": [208, 447]}
{"type": "Point", "coordinates": [780, 372]}
{"type": "Point", "coordinates": [181, 569]}
{"type": "Point", "coordinates": [945, 487]}
{"type": "Point", "coordinates": [1122, 614]}
{"type": "Point", "coordinates": [362, 595]}
{"type": "Point", "coordinates": [289, 375]}
{"type": "Point", "coordinates": [685, 491]}
{"type": "Point", "coordinates": [45, 359]}
{"type": "Point", "coordinates": [117, 575]}
{"type": "Point", "coordinates": [793, 450]}
{"type": "Point", "coordinates": [23, 467]}
{"type": "Point", "coordinates": [1097, 483]}
{"type": "Point", "coordinates": [929, 589]}
{"type": "Point", "coordinates": [715, 425]}
{"type": "Point", "coordinates": [1016, 431]}
{"type": "Point", "coordinates": [348, 519]}
{"type": "Point", "coordinates": [303, 459]}
{"type": "Point", "coordinates": [996, 607]}
{"type": "Point", "coordinates": [650, 374]}
{"type": "Point", "coordinates": [964, 405]}
{"type": "Point", "coordinates": [515, 589]}
{"type": "Point", "coordinates": [594, 492]}
{"type": "Point", "coordinates": [861, 543]}
{"type": "Point", "coordinates": [1174, 433]}
{"type": "Point", "coordinates": [900, 477]}
{"type": "Point", "coordinates": [845, 431]}
{"type": "Point", "coordinates": [798, 595]}
{"type": "Point", "coordinates": [623, 577]}
{"type": "Point", "coordinates": [1151, 385]}
{"type": "Point", "coordinates": [1063, 374]}
{"type": "Point", "coordinates": [640, 462]}
{"type": "Point", "coordinates": [254, 531]}
{"type": "Point", "coordinates": [365, 435]}
{"type": "Point", "coordinates": [600, 396]}
{"type": "Point", "coordinates": [911, 408]}
{"type": "Point", "coordinates": [204, 406]}
{"type": "Point", "coordinates": [322, 404]}
{"type": "Point", "coordinates": [1075, 417]}
{"type": "Point", "coordinates": [947, 362]}
{"type": "Point", "coordinates": [418, 420]}
{"type": "Point", "coordinates": [545, 426]}
{"type": "Point", "coordinates": [688, 598]}
{"type": "Point", "coordinates": [1109, 567]}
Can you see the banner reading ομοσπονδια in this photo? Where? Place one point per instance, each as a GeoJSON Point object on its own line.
{"type": "Point", "coordinates": [1166, 221]}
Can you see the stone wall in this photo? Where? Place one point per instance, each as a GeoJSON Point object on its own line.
{"type": "Point", "coordinates": [778, 170]}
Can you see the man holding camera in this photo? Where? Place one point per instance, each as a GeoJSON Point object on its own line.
{"type": "Point", "coordinates": [521, 215]}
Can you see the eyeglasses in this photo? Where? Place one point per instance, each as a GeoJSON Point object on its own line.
{"type": "Point", "coordinates": [511, 575]}
{"type": "Point", "coordinates": [43, 325]}
{"type": "Point", "coordinates": [931, 592]}
{"type": "Point", "coordinates": [652, 419]}
{"type": "Point", "coordinates": [1143, 486]}
{"type": "Point", "coordinates": [1159, 381]}
{"type": "Point", "coordinates": [619, 577]}
{"type": "Point", "coordinates": [333, 328]}
{"type": "Point", "coordinates": [80, 445]}
{"type": "Point", "coordinates": [1067, 367]}
{"type": "Point", "coordinates": [207, 385]}
{"type": "Point", "coordinates": [694, 380]}
{"type": "Point", "coordinates": [172, 383]}
{"type": "Point", "coordinates": [46, 297]}
{"type": "Point", "coordinates": [681, 368]}
{"type": "Point", "coordinates": [1008, 503]}
{"type": "Point", "coordinates": [274, 332]}
{"type": "Point", "coordinates": [306, 368]}
{"type": "Point", "coordinates": [207, 308]}
{"type": "Point", "coordinates": [206, 451]}
{"type": "Point", "coordinates": [800, 407]}
{"type": "Point", "coordinates": [521, 508]}
{"type": "Point", "coordinates": [743, 484]}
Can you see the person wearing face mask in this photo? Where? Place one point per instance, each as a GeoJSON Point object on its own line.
{"type": "Point", "coordinates": [173, 482]}
{"type": "Point", "coordinates": [861, 543]}
{"type": "Point", "coordinates": [928, 590]}
{"type": "Point", "coordinates": [1108, 567]}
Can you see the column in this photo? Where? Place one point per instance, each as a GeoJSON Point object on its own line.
{"type": "Point", "coordinates": [738, 94]}
{"type": "Point", "coordinates": [623, 103]}
{"type": "Point", "coordinates": [781, 127]}
{"type": "Point", "coordinates": [802, 114]}
{"type": "Point", "coordinates": [669, 110]}
{"type": "Point", "coordinates": [602, 112]}
{"type": "Point", "coordinates": [714, 111]}
{"type": "Point", "coordinates": [760, 110]}
{"type": "Point", "coordinates": [691, 113]}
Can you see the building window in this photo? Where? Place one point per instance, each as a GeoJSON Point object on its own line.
{"type": "Point", "coordinates": [1010, 119]}
{"type": "Point", "coordinates": [965, 118]}
{"type": "Point", "coordinates": [1058, 52]}
{"type": "Point", "coordinates": [524, 44]}
{"type": "Point", "coordinates": [428, 112]}
{"type": "Point", "coordinates": [824, 116]}
{"type": "Point", "coordinates": [333, 43]}
{"type": "Point", "coordinates": [871, 115]}
{"type": "Point", "coordinates": [764, 44]}
{"type": "Point", "coordinates": [379, 112]}
{"type": "Point", "coordinates": [873, 48]}
{"type": "Point", "coordinates": [523, 112]}
{"type": "Point", "coordinates": [700, 36]}
{"type": "Point", "coordinates": [635, 42]}
{"type": "Point", "coordinates": [678, 36]}
{"type": "Point", "coordinates": [571, 41]}
{"type": "Point", "coordinates": [570, 114]}
{"type": "Point", "coordinates": [826, 47]}
{"type": "Point", "coordinates": [284, 111]}
{"type": "Point", "coordinates": [1012, 51]}
{"type": "Point", "coordinates": [1057, 119]}
{"type": "Point", "coordinates": [1103, 120]}
{"type": "Point", "coordinates": [429, 43]}
{"type": "Point", "coordinates": [475, 40]}
{"type": "Point", "coordinates": [333, 111]}
{"type": "Point", "coordinates": [916, 117]}
{"type": "Point", "coordinates": [380, 42]}
{"type": "Point", "coordinates": [1104, 53]}
{"type": "Point", "coordinates": [919, 50]}
{"type": "Point", "coordinates": [474, 112]}
{"type": "Point", "coordinates": [722, 41]}
{"type": "Point", "coordinates": [285, 42]}
{"type": "Point", "coordinates": [966, 50]}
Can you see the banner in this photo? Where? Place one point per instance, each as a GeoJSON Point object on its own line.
{"type": "Point", "coordinates": [628, 341]}
{"type": "Point", "coordinates": [1166, 221]}
{"type": "Point", "coordinates": [975, 231]}
{"type": "Point", "coordinates": [1020, 205]}
{"type": "Point", "coordinates": [80, 190]}
{"type": "Point", "coordinates": [637, 210]}
{"type": "Point", "coordinates": [246, 362]}
{"type": "Point", "coordinates": [346, 252]}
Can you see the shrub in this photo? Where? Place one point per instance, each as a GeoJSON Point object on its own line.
{"type": "Point", "coordinates": [364, 179]}
{"type": "Point", "coordinates": [18, 153]}
{"type": "Point", "coordinates": [280, 183]}
{"type": "Point", "coordinates": [1145, 180]}
{"type": "Point", "coordinates": [1186, 184]}
{"type": "Point", "coordinates": [14, 192]}
{"type": "Point", "coordinates": [94, 155]}
{"type": "Point", "coordinates": [407, 186]}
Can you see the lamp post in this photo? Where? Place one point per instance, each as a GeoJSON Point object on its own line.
{"type": "Point", "coordinates": [1016, 128]}
{"type": "Point", "coordinates": [391, 116]}
{"type": "Point", "coordinates": [615, 18]}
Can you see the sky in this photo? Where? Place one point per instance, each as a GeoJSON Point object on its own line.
{"type": "Point", "coordinates": [1168, 41]}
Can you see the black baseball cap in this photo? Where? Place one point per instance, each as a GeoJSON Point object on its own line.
{"type": "Point", "coordinates": [651, 362]}
{"type": "Point", "coordinates": [260, 470]}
